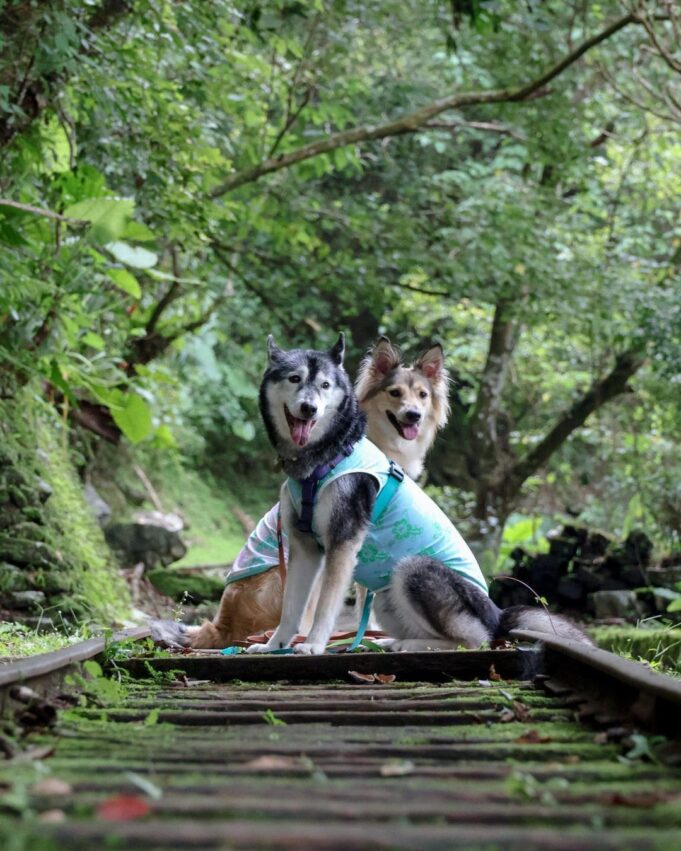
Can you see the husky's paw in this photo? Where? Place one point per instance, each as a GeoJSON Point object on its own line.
{"type": "Point", "coordinates": [168, 633]}
{"type": "Point", "coordinates": [306, 649]}
{"type": "Point", "coordinates": [258, 648]}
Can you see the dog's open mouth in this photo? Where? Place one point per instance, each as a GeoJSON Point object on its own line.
{"type": "Point", "coordinates": [409, 431]}
{"type": "Point", "coordinates": [300, 429]}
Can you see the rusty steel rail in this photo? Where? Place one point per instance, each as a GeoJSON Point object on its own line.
{"type": "Point", "coordinates": [46, 671]}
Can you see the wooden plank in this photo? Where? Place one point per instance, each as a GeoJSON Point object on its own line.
{"type": "Point", "coordinates": [336, 835]}
{"type": "Point", "coordinates": [430, 666]}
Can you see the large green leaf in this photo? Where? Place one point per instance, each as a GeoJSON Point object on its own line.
{"type": "Point", "coordinates": [108, 216]}
{"type": "Point", "coordinates": [138, 258]}
{"type": "Point", "coordinates": [132, 415]}
{"type": "Point", "coordinates": [125, 281]}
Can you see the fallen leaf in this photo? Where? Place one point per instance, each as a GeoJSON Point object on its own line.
{"type": "Point", "coordinates": [573, 759]}
{"type": "Point", "coordinates": [484, 683]}
{"type": "Point", "coordinates": [51, 786]}
{"type": "Point", "coordinates": [386, 679]}
{"type": "Point", "coordinates": [641, 799]}
{"type": "Point", "coordinates": [493, 674]}
{"type": "Point", "coordinates": [268, 762]}
{"type": "Point", "coordinates": [397, 768]}
{"type": "Point", "coordinates": [52, 816]}
{"type": "Point", "coordinates": [362, 678]}
{"type": "Point", "coordinates": [521, 712]}
{"type": "Point", "coordinates": [506, 715]}
{"type": "Point", "coordinates": [532, 737]}
{"type": "Point", "coordinates": [123, 808]}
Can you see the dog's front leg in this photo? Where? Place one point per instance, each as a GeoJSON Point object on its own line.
{"type": "Point", "coordinates": [340, 564]}
{"type": "Point", "coordinates": [305, 559]}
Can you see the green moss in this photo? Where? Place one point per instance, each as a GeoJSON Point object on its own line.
{"type": "Point", "coordinates": [79, 574]}
{"type": "Point", "coordinates": [176, 584]}
{"type": "Point", "coordinates": [660, 647]}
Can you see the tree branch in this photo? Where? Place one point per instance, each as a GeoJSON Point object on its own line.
{"type": "Point", "coordinates": [600, 392]}
{"type": "Point", "coordinates": [415, 120]}
{"type": "Point", "coordinates": [39, 211]}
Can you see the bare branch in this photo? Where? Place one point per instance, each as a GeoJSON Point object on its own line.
{"type": "Point", "coordinates": [415, 120]}
{"type": "Point", "coordinates": [39, 211]}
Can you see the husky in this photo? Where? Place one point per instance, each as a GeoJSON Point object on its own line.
{"type": "Point", "coordinates": [406, 404]}
{"type": "Point", "coordinates": [431, 592]}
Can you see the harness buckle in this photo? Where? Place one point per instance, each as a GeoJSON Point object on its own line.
{"type": "Point", "coordinates": [396, 471]}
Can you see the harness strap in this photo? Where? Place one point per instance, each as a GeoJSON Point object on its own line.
{"type": "Point", "coordinates": [394, 480]}
{"type": "Point", "coordinates": [309, 489]}
{"type": "Point", "coordinates": [363, 621]}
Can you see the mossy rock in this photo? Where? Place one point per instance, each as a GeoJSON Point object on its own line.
{"type": "Point", "coordinates": [179, 584]}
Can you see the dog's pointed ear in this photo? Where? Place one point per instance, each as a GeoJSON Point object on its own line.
{"type": "Point", "coordinates": [274, 353]}
{"type": "Point", "coordinates": [337, 351]}
{"type": "Point", "coordinates": [432, 363]}
{"type": "Point", "coordinates": [384, 356]}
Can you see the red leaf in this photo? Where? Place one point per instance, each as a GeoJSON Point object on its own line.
{"type": "Point", "coordinates": [386, 679]}
{"type": "Point", "coordinates": [532, 737]}
{"type": "Point", "coordinates": [123, 808]}
{"type": "Point", "coordinates": [362, 678]}
{"type": "Point", "coordinates": [493, 673]}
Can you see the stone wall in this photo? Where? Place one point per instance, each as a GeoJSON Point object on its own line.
{"type": "Point", "coordinates": [55, 565]}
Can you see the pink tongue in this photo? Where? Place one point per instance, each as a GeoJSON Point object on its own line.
{"type": "Point", "coordinates": [300, 431]}
{"type": "Point", "coordinates": [410, 432]}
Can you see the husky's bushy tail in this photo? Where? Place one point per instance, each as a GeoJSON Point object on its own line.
{"type": "Point", "coordinates": [539, 619]}
{"type": "Point", "coordinates": [427, 600]}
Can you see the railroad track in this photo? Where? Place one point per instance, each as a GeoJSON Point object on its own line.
{"type": "Point", "coordinates": [548, 745]}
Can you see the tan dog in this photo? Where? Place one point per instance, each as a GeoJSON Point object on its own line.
{"type": "Point", "coordinates": [405, 407]}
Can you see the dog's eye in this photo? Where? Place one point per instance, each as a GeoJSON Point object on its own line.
{"type": "Point", "coordinates": [294, 379]}
{"type": "Point", "coordinates": [326, 385]}
{"type": "Point", "coordinates": [395, 393]}
{"type": "Point", "coordinates": [423, 394]}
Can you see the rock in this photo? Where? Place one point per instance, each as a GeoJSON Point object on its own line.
{"type": "Point", "coordinates": [44, 490]}
{"type": "Point", "coordinates": [170, 521]}
{"type": "Point", "coordinates": [177, 584]}
{"type": "Point", "coordinates": [28, 553]}
{"type": "Point", "coordinates": [571, 591]}
{"type": "Point", "coordinates": [99, 509]}
{"type": "Point", "coordinates": [594, 546]}
{"type": "Point", "coordinates": [664, 577]}
{"type": "Point", "coordinates": [143, 542]}
{"type": "Point", "coordinates": [615, 604]}
{"type": "Point", "coordinates": [634, 576]}
{"type": "Point", "coordinates": [12, 578]}
{"type": "Point", "coordinates": [638, 548]}
{"type": "Point", "coordinates": [26, 599]}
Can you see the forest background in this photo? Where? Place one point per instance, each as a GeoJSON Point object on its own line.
{"type": "Point", "coordinates": [178, 180]}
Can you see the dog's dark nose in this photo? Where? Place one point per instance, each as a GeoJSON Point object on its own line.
{"type": "Point", "coordinates": [412, 416]}
{"type": "Point", "coordinates": [307, 409]}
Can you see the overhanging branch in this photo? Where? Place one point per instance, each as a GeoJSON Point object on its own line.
{"type": "Point", "coordinates": [600, 392]}
{"type": "Point", "coordinates": [412, 122]}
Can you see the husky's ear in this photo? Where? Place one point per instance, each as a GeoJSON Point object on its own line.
{"type": "Point", "coordinates": [384, 356]}
{"type": "Point", "coordinates": [274, 353]}
{"type": "Point", "coordinates": [337, 351]}
{"type": "Point", "coordinates": [432, 363]}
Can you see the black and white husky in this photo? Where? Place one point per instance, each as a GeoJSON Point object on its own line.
{"type": "Point", "coordinates": [311, 415]}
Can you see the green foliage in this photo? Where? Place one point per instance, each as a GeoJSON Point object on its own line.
{"type": "Point", "coordinates": [154, 297]}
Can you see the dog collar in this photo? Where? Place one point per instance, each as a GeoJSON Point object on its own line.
{"type": "Point", "coordinates": [309, 489]}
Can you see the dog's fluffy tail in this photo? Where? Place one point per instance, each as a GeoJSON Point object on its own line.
{"type": "Point", "coordinates": [539, 620]}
